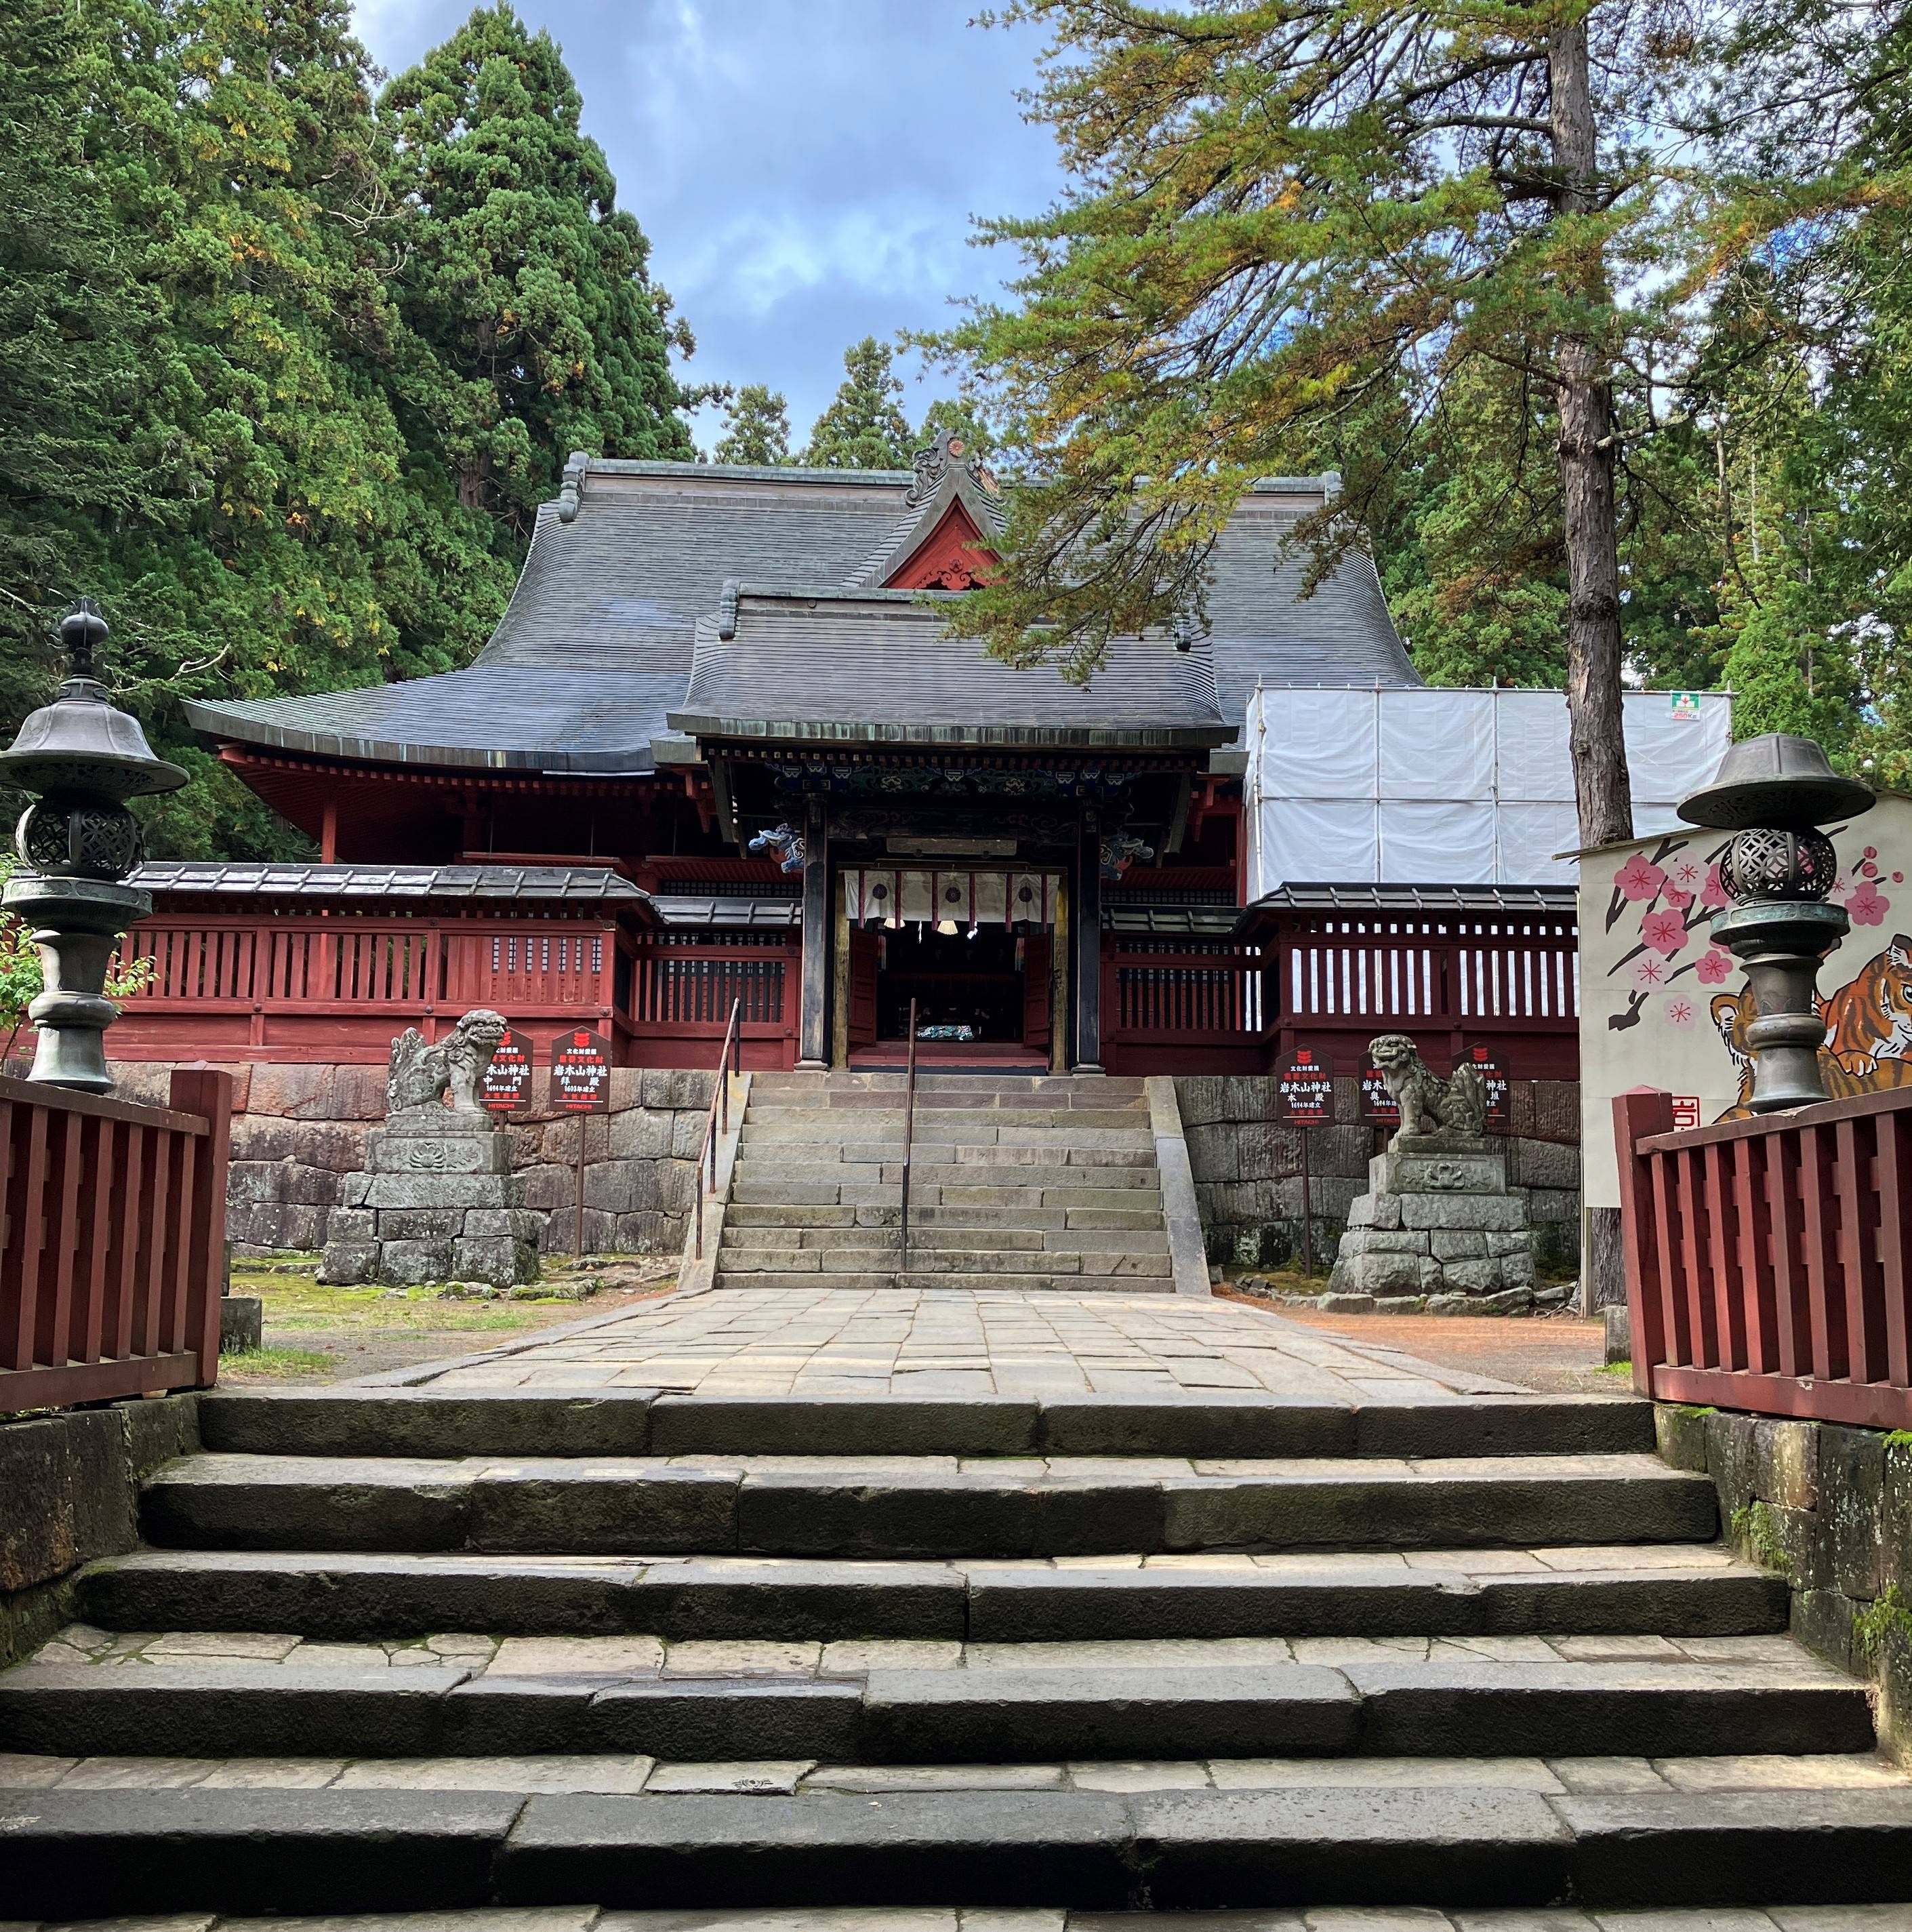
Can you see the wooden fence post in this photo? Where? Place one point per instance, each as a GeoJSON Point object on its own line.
{"type": "Point", "coordinates": [1638, 1112]}
{"type": "Point", "coordinates": [207, 1091]}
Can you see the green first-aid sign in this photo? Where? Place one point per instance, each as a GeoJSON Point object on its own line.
{"type": "Point", "coordinates": [1685, 706]}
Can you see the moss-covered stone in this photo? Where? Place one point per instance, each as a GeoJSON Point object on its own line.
{"type": "Point", "coordinates": [1785, 1463]}
{"type": "Point", "coordinates": [1853, 1507]}
{"type": "Point", "coordinates": [1681, 1432]}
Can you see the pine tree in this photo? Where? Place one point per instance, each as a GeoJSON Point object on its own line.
{"type": "Point", "coordinates": [73, 324]}
{"type": "Point", "coordinates": [863, 428]}
{"type": "Point", "coordinates": [291, 540]}
{"type": "Point", "coordinates": [756, 428]}
{"type": "Point", "coordinates": [527, 285]}
{"type": "Point", "coordinates": [1280, 210]}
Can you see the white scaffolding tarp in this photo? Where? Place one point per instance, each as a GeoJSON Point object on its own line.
{"type": "Point", "coordinates": [1449, 787]}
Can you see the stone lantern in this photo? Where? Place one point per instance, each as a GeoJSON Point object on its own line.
{"type": "Point", "coordinates": [76, 842]}
{"type": "Point", "coordinates": [1773, 793]}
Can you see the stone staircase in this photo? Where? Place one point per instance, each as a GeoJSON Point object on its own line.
{"type": "Point", "coordinates": [409, 1650]}
{"type": "Point", "coordinates": [1026, 1181]}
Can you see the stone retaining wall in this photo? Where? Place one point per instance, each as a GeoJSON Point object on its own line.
{"type": "Point", "coordinates": [1831, 1508]}
{"type": "Point", "coordinates": [70, 1493]}
{"type": "Point", "coordinates": [1248, 1166]}
{"type": "Point", "coordinates": [299, 1131]}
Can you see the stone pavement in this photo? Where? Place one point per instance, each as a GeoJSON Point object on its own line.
{"type": "Point", "coordinates": [999, 1918]}
{"type": "Point", "coordinates": [1005, 1341]}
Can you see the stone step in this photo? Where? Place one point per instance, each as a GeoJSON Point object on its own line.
{"type": "Point", "coordinates": [824, 1506]}
{"type": "Point", "coordinates": [938, 1123]}
{"type": "Point", "coordinates": [436, 1422]}
{"type": "Point", "coordinates": [1019, 1180]}
{"type": "Point", "coordinates": [1142, 1194]}
{"type": "Point", "coordinates": [747, 1214]}
{"type": "Point", "coordinates": [1096, 1089]}
{"type": "Point", "coordinates": [919, 1280]}
{"type": "Point", "coordinates": [1001, 1238]}
{"type": "Point", "coordinates": [100, 1853]}
{"type": "Point", "coordinates": [1620, 1591]}
{"type": "Point", "coordinates": [963, 1257]}
{"type": "Point", "coordinates": [236, 1708]}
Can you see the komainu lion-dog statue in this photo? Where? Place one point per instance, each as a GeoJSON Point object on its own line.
{"type": "Point", "coordinates": [1456, 1106]}
{"type": "Point", "coordinates": [422, 1075]}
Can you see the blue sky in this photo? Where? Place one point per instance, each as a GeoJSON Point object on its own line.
{"type": "Point", "coordinates": [806, 169]}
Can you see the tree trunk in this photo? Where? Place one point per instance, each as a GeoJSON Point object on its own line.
{"type": "Point", "coordinates": [1584, 389]}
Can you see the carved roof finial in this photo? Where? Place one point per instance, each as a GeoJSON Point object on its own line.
{"type": "Point", "coordinates": [933, 463]}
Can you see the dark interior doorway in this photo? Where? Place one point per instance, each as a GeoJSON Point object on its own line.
{"type": "Point", "coordinates": [966, 988]}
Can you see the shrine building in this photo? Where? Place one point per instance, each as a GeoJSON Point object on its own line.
{"type": "Point", "coordinates": [724, 747]}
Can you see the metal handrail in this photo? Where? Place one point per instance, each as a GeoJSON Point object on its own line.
{"type": "Point", "coordinates": [716, 1121]}
{"type": "Point", "coordinates": [909, 1136]}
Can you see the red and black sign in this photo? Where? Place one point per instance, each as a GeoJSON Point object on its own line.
{"type": "Point", "coordinates": [1305, 1090]}
{"type": "Point", "coordinates": [1493, 1071]}
{"type": "Point", "coordinates": [1377, 1104]}
{"type": "Point", "coordinates": [504, 1087]}
{"type": "Point", "coordinates": [581, 1073]}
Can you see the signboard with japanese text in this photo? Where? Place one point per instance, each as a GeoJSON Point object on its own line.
{"type": "Point", "coordinates": [504, 1087]}
{"type": "Point", "coordinates": [581, 1073]}
{"type": "Point", "coordinates": [1377, 1104]}
{"type": "Point", "coordinates": [1493, 1071]}
{"type": "Point", "coordinates": [1305, 1089]}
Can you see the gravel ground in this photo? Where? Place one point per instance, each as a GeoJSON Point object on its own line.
{"type": "Point", "coordinates": [1554, 1353]}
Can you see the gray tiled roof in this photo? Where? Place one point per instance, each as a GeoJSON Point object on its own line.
{"type": "Point", "coordinates": [1533, 902]}
{"type": "Point", "coordinates": [335, 884]}
{"type": "Point", "coordinates": [699, 910]}
{"type": "Point", "coordinates": [816, 667]}
{"type": "Point", "coordinates": [598, 643]}
{"type": "Point", "coordinates": [1263, 628]}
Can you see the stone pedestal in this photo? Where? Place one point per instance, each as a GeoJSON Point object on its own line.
{"type": "Point", "coordinates": [1438, 1218]}
{"type": "Point", "coordinates": [438, 1201]}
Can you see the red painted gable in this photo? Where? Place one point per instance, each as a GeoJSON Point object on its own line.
{"type": "Point", "coordinates": [954, 556]}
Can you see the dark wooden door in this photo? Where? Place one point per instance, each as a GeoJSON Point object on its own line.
{"type": "Point", "coordinates": [863, 987]}
{"type": "Point", "coordinates": [1035, 992]}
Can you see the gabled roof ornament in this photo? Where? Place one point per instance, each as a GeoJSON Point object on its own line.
{"type": "Point", "coordinates": [726, 610]}
{"type": "Point", "coordinates": [573, 486]}
{"type": "Point", "coordinates": [935, 463]}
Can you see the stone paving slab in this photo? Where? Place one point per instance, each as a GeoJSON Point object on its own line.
{"type": "Point", "coordinates": [1039, 1918]}
{"type": "Point", "coordinates": [643, 1656]}
{"type": "Point", "coordinates": [1558, 1778]}
{"type": "Point", "coordinates": [904, 1342]}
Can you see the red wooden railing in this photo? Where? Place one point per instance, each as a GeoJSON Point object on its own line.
{"type": "Point", "coordinates": [683, 990]}
{"type": "Point", "coordinates": [313, 965]}
{"type": "Point", "coordinates": [1481, 975]}
{"type": "Point", "coordinates": [112, 1245]}
{"type": "Point", "coordinates": [1767, 1263]}
{"type": "Point", "coordinates": [1190, 994]}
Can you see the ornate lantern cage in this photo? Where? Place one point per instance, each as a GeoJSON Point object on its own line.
{"type": "Point", "coordinates": [1773, 793]}
{"type": "Point", "coordinates": [76, 842]}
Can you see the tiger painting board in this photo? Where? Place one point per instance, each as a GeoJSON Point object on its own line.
{"type": "Point", "coordinates": [1661, 1007]}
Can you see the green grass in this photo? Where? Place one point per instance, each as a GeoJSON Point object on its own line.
{"type": "Point", "coordinates": [1615, 1369]}
{"type": "Point", "coordinates": [296, 1301]}
{"type": "Point", "coordinates": [278, 1365]}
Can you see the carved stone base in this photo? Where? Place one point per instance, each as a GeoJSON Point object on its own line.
{"type": "Point", "coordinates": [437, 1202]}
{"type": "Point", "coordinates": [1438, 1218]}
